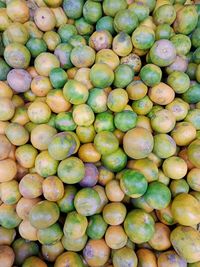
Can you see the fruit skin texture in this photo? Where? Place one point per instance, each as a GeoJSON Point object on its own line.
{"type": "Point", "coordinates": [194, 152]}
{"type": "Point", "coordinates": [18, 11]}
{"type": "Point", "coordinates": [139, 226]}
{"type": "Point", "coordinates": [19, 80]}
{"type": "Point", "coordinates": [186, 242]}
{"type": "Point", "coordinates": [91, 206]}
{"type": "Point", "coordinates": [101, 75]}
{"type": "Point", "coordinates": [158, 195]}
{"type": "Point", "coordinates": [161, 94]}
{"type": "Point", "coordinates": [75, 225]}
{"type": "Point", "coordinates": [125, 255]}
{"type": "Point", "coordinates": [151, 74]}
{"type": "Point", "coordinates": [20, 58]}
{"type": "Point", "coordinates": [185, 209]}
{"type": "Point", "coordinates": [186, 20]}
{"type": "Point", "coordinates": [143, 37]}
{"type": "Point", "coordinates": [170, 258]}
{"type": "Point", "coordinates": [163, 53]}
{"type": "Point", "coordinates": [44, 214]}
{"type": "Point", "coordinates": [92, 255]}
{"type": "Point", "coordinates": [7, 256]}
{"type": "Point", "coordinates": [138, 143]}
{"type": "Point", "coordinates": [133, 183]}
{"type": "Point", "coordinates": [66, 258]}
{"type": "Point", "coordinates": [146, 256]}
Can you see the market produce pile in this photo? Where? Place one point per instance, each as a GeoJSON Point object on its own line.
{"type": "Point", "coordinates": [99, 133]}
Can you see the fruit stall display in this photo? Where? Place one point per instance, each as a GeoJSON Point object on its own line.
{"type": "Point", "coordinates": [99, 133]}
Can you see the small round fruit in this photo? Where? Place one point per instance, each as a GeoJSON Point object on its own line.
{"type": "Point", "coordinates": [185, 240]}
{"type": "Point", "coordinates": [133, 183]}
{"type": "Point", "coordinates": [44, 19]}
{"type": "Point", "coordinates": [68, 257]}
{"type": "Point", "coordinates": [71, 170]}
{"type": "Point", "coordinates": [92, 255]}
{"type": "Point", "coordinates": [7, 256]}
{"type": "Point", "coordinates": [158, 195]}
{"type": "Point", "coordinates": [115, 237]}
{"type": "Point", "coordinates": [185, 209]}
{"type": "Point", "coordinates": [143, 37]}
{"type": "Point", "coordinates": [139, 226]}
{"type": "Point", "coordinates": [87, 201]}
{"type": "Point", "coordinates": [75, 225]}
{"type": "Point", "coordinates": [75, 92]}
{"type": "Point", "coordinates": [114, 213]}
{"type": "Point", "coordinates": [151, 75]}
{"type": "Point", "coordinates": [42, 135]}
{"type": "Point", "coordinates": [44, 214]}
{"type": "Point", "coordinates": [161, 94]}
{"type": "Point", "coordinates": [164, 146]}
{"type": "Point", "coordinates": [165, 259]}
{"type": "Point", "coordinates": [96, 227]}
{"type": "Point", "coordinates": [101, 75]}
{"type": "Point", "coordinates": [125, 120]}
{"type": "Point", "coordinates": [161, 238]}
{"type": "Point", "coordinates": [174, 167]}
{"type": "Point", "coordinates": [163, 53]}
{"type": "Point", "coordinates": [17, 56]}
{"type": "Point", "coordinates": [45, 62]}
{"type": "Point", "coordinates": [138, 143]}
{"type": "Point", "coordinates": [117, 100]}
{"type": "Point", "coordinates": [53, 188]}
{"type": "Point", "coordinates": [193, 179]}
{"type": "Point", "coordinates": [18, 10]}
{"type": "Point", "coordinates": [106, 142]}
{"type": "Point", "coordinates": [82, 56]}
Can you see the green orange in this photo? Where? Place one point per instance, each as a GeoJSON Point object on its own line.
{"type": "Point", "coordinates": [158, 195]}
{"type": "Point", "coordinates": [44, 214]}
{"type": "Point", "coordinates": [36, 46]}
{"type": "Point", "coordinates": [133, 183]}
{"type": "Point", "coordinates": [106, 142]}
{"type": "Point", "coordinates": [163, 53]}
{"type": "Point", "coordinates": [92, 11]}
{"type": "Point", "coordinates": [125, 21]}
{"type": "Point", "coordinates": [50, 235]}
{"type": "Point", "coordinates": [123, 75]}
{"type": "Point", "coordinates": [193, 152]}
{"type": "Point", "coordinates": [87, 201]}
{"type": "Point", "coordinates": [111, 7]}
{"type": "Point", "coordinates": [115, 161]}
{"type": "Point", "coordinates": [101, 75]}
{"type": "Point", "coordinates": [66, 203]}
{"type": "Point", "coordinates": [125, 120]}
{"type": "Point", "coordinates": [75, 225]}
{"type": "Point", "coordinates": [58, 77]}
{"type": "Point", "coordinates": [75, 92]}
{"type": "Point", "coordinates": [71, 170]}
{"type": "Point", "coordinates": [125, 254]}
{"type": "Point", "coordinates": [186, 20]}
{"type": "Point", "coordinates": [164, 146]}
{"type": "Point", "coordinates": [82, 56]}
{"type": "Point", "coordinates": [139, 226]}
{"type": "Point", "coordinates": [96, 227]}
{"type": "Point", "coordinates": [151, 74]}
{"type": "Point", "coordinates": [143, 37]}
{"type": "Point", "coordinates": [62, 145]}
{"type": "Point", "coordinates": [20, 56]}
{"type": "Point", "coordinates": [65, 122]}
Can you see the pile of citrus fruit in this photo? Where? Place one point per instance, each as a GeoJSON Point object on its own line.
{"type": "Point", "coordinates": [99, 133]}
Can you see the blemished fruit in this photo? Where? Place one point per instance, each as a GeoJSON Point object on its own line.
{"type": "Point", "coordinates": [99, 133]}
